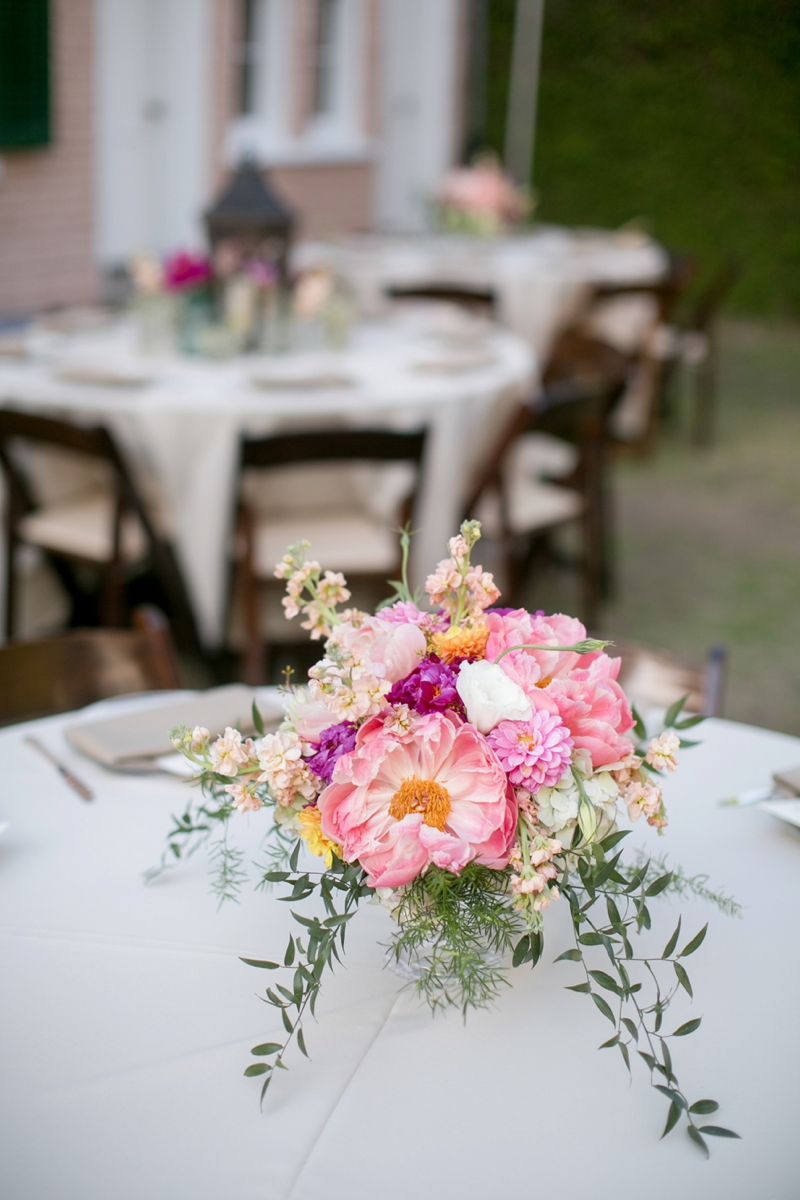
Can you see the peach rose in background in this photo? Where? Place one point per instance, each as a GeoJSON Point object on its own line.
{"type": "Point", "coordinates": [435, 795]}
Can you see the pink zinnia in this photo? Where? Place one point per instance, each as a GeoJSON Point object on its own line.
{"type": "Point", "coordinates": [534, 753]}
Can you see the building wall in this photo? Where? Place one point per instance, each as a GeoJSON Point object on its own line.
{"type": "Point", "coordinates": [46, 196]}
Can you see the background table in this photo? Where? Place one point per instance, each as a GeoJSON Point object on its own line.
{"type": "Point", "coordinates": [540, 278]}
{"type": "Point", "coordinates": [181, 429]}
{"type": "Point", "coordinates": [126, 1020]}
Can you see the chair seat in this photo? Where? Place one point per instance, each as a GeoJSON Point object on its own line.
{"type": "Point", "coordinates": [534, 504]}
{"type": "Point", "coordinates": [543, 456]}
{"type": "Point", "coordinates": [351, 542]}
{"type": "Point", "coordinates": [83, 527]}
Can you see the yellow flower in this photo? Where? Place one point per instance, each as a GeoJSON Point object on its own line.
{"type": "Point", "coordinates": [469, 642]}
{"type": "Point", "coordinates": [310, 820]}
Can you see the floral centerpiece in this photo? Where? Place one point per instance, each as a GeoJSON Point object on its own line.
{"type": "Point", "coordinates": [466, 767]}
{"type": "Point", "coordinates": [481, 199]}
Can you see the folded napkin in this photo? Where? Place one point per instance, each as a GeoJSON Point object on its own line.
{"type": "Point", "coordinates": [135, 740]}
{"type": "Point", "coordinates": [104, 374]}
{"type": "Point", "coordinates": [298, 383]}
{"type": "Point", "coordinates": [454, 362]}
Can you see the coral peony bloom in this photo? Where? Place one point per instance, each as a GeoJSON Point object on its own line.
{"type": "Point", "coordinates": [534, 753]}
{"type": "Point", "coordinates": [434, 795]}
{"type": "Point", "coordinates": [520, 628]}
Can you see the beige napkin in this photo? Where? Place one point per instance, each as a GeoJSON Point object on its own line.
{"type": "Point", "coordinates": [133, 741]}
{"type": "Point", "coordinates": [298, 383]}
{"type": "Point", "coordinates": [103, 375]}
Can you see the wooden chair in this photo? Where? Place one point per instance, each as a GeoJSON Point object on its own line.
{"type": "Point", "coordinates": [105, 525]}
{"type": "Point", "coordinates": [77, 668]}
{"type": "Point", "coordinates": [344, 534]}
{"type": "Point", "coordinates": [655, 679]}
{"type": "Point", "coordinates": [625, 329]}
{"type": "Point", "coordinates": [481, 301]}
{"type": "Point", "coordinates": [699, 350]}
{"type": "Point", "coordinates": [531, 507]}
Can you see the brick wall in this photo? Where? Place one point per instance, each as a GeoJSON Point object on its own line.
{"type": "Point", "coordinates": [46, 196]}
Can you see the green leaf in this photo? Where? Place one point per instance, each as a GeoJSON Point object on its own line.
{"type": "Point", "coordinates": [688, 722]}
{"type": "Point", "coordinates": [294, 857]}
{"type": "Point", "coordinates": [703, 1107]}
{"type": "Point", "coordinates": [673, 941]}
{"type": "Point", "coordinates": [570, 956]}
{"type": "Point", "coordinates": [612, 1041]}
{"type": "Point", "coordinates": [624, 1051]}
{"type": "Point", "coordinates": [697, 1138]}
{"type": "Point", "coordinates": [631, 1028]}
{"type": "Point", "coordinates": [258, 962]}
{"type": "Point", "coordinates": [695, 943]}
{"type": "Point", "coordinates": [671, 1094]}
{"type": "Point", "coordinates": [685, 744]}
{"type": "Point", "coordinates": [611, 839]}
{"type": "Point", "coordinates": [687, 1027]}
{"type": "Point", "coordinates": [266, 1048]}
{"type": "Point", "coordinates": [275, 876]}
{"type": "Point", "coordinates": [673, 711]}
{"type": "Point", "coordinates": [604, 1007]}
{"type": "Point", "coordinates": [287, 1021]}
{"type": "Point", "coordinates": [590, 939]}
{"type": "Point", "coordinates": [719, 1131]}
{"type": "Point", "coordinates": [288, 957]}
{"type": "Point", "coordinates": [578, 987]}
{"type": "Point", "coordinates": [659, 884]}
{"type": "Point", "coordinates": [301, 1041]}
{"type": "Point", "coordinates": [258, 720]}
{"type": "Point", "coordinates": [606, 982]}
{"type": "Point", "coordinates": [672, 1118]}
{"type": "Point", "coordinates": [683, 978]}
{"type": "Point", "coordinates": [256, 1069]}
{"type": "Point", "coordinates": [667, 1060]}
{"type": "Point", "coordinates": [639, 728]}
{"type": "Point", "coordinates": [613, 913]}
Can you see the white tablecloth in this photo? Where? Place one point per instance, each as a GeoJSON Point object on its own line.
{"type": "Point", "coordinates": [126, 1021]}
{"type": "Point", "coordinates": [183, 428]}
{"type": "Point", "coordinates": [540, 278]}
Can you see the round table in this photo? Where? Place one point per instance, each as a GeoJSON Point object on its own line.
{"type": "Point", "coordinates": [180, 419]}
{"type": "Point", "coordinates": [540, 277]}
{"type": "Point", "coordinates": [126, 1019]}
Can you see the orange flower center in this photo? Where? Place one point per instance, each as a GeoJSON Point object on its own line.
{"type": "Point", "coordinates": [424, 796]}
{"type": "Point", "coordinates": [544, 682]}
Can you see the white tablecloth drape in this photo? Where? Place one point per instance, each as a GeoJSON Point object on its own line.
{"type": "Point", "coordinates": [540, 278]}
{"type": "Point", "coordinates": [126, 1019]}
{"type": "Point", "coordinates": [182, 428]}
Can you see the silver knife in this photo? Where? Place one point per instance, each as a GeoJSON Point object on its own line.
{"type": "Point", "coordinates": [76, 784]}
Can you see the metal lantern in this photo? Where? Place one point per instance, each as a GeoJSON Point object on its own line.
{"type": "Point", "coordinates": [248, 221]}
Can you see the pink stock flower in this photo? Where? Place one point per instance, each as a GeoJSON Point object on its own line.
{"type": "Point", "coordinates": [534, 753]}
{"type": "Point", "coordinates": [436, 794]}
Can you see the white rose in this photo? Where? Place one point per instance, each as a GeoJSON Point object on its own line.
{"type": "Point", "coordinates": [490, 696]}
{"type": "Point", "coordinates": [603, 792]}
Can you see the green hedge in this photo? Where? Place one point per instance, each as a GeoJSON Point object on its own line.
{"type": "Point", "coordinates": [683, 112]}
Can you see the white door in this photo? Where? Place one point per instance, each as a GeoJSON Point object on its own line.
{"type": "Point", "coordinates": [419, 107]}
{"type": "Point", "coordinates": [153, 109]}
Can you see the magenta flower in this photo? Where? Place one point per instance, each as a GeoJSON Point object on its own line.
{"type": "Point", "coordinates": [533, 753]}
{"type": "Point", "coordinates": [184, 270]}
{"type": "Point", "coordinates": [334, 741]}
{"type": "Point", "coordinates": [431, 687]}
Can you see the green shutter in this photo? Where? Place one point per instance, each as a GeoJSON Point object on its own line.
{"type": "Point", "coordinates": [24, 73]}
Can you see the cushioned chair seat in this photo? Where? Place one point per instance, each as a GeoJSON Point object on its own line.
{"type": "Point", "coordinates": [83, 527]}
{"type": "Point", "coordinates": [534, 504]}
{"type": "Point", "coordinates": [342, 541]}
{"type": "Point", "coordinates": [543, 456]}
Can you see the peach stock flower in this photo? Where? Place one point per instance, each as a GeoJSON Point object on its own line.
{"type": "Point", "coordinates": [436, 794]}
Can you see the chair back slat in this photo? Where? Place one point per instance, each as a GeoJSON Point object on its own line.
{"type": "Point", "coordinates": [337, 445]}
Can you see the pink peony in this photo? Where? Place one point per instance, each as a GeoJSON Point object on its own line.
{"type": "Point", "coordinates": [398, 649]}
{"type": "Point", "coordinates": [433, 795]}
{"type": "Point", "coordinates": [593, 707]}
{"type": "Point", "coordinates": [521, 628]}
{"type": "Point", "coordinates": [534, 753]}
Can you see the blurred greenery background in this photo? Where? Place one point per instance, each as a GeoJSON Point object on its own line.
{"type": "Point", "coordinates": [685, 113]}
